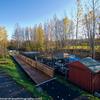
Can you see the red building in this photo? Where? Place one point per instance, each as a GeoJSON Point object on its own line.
{"type": "Point", "coordinates": [86, 74]}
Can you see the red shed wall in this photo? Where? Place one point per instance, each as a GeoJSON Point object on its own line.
{"type": "Point", "coordinates": [96, 82]}
{"type": "Point", "coordinates": [81, 77]}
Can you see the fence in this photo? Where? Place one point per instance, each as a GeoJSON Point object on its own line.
{"type": "Point", "coordinates": [39, 66]}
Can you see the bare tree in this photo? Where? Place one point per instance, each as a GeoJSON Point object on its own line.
{"type": "Point", "coordinates": [90, 18]}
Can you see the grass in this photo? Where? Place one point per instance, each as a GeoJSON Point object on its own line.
{"type": "Point", "coordinates": [62, 80]}
{"type": "Point", "coordinates": [21, 78]}
{"type": "Point", "coordinates": [97, 48]}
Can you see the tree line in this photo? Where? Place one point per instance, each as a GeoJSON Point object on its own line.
{"type": "Point", "coordinates": [51, 35]}
{"type": "Point", "coordinates": [57, 33]}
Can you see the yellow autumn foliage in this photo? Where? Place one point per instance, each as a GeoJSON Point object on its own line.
{"type": "Point", "coordinates": [3, 40]}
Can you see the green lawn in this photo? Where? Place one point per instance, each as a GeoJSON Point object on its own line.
{"type": "Point", "coordinates": [21, 78]}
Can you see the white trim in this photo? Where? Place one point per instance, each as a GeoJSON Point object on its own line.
{"type": "Point", "coordinates": [46, 81]}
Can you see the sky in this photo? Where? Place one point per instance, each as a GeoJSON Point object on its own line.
{"type": "Point", "coordinates": [31, 12]}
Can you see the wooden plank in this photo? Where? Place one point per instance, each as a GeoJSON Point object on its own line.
{"type": "Point", "coordinates": [36, 75]}
{"type": "Point", "coordinates": [42, 67]}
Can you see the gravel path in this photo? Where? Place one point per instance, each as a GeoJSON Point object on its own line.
{"type": "Point", "coordinates": [10, 89]}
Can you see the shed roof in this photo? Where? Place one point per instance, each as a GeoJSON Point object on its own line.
{"type": "Point", "coordinates": [72, 58]}
{"type": "Point", "coordinates": [92, 64]}
{"type": "Point", "coordinates": [33, 52]}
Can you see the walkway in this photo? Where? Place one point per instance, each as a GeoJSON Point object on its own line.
{"type": "Point", "coordinates": [10, 89]}
{"type": "Point", "coordinates": [36, 75]}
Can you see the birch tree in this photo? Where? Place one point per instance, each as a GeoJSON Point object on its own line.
{"type": "Point", "coordinates": [90, 17]}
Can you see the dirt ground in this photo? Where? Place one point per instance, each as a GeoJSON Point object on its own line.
{"type": "Point", "coordinates": [59, 91]}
